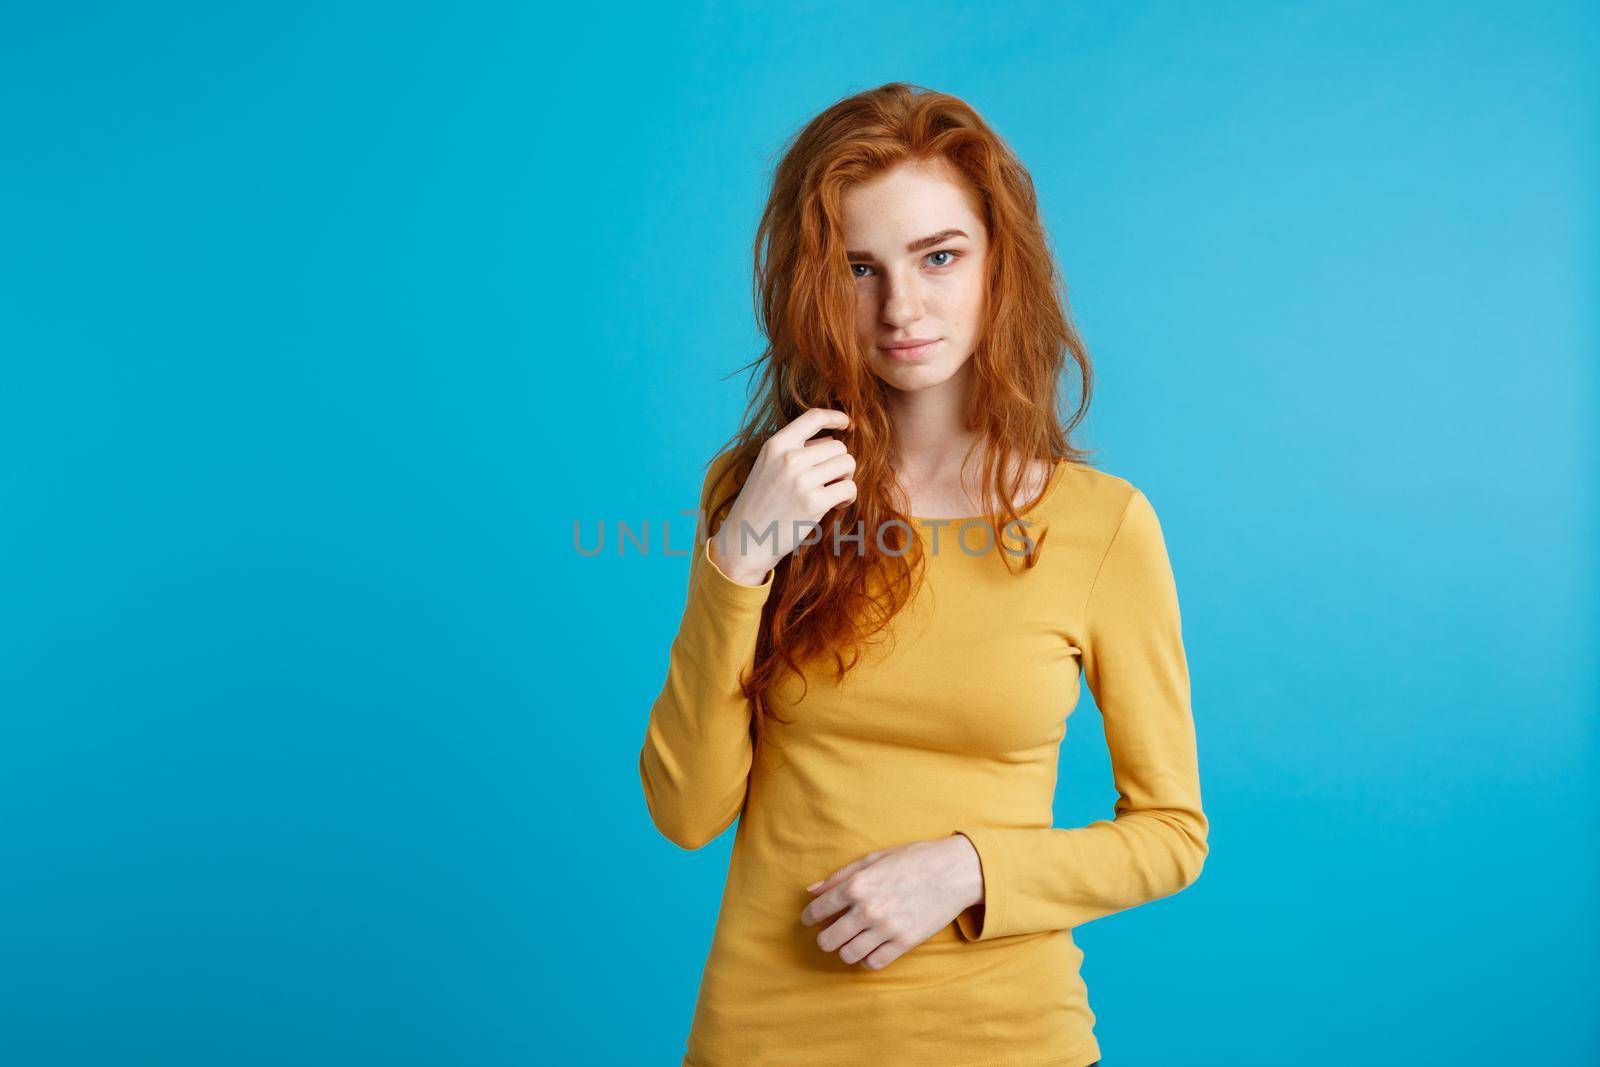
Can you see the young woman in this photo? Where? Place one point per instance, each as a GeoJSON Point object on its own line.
{"type": "Point", "coordinates": [883, 642]}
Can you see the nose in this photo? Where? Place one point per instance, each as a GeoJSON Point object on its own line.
{"type": "Point", "coordinates": [902, 301]}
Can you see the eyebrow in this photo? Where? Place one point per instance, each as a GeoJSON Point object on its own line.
{"type": "Point", "coordinates": [919, 244]}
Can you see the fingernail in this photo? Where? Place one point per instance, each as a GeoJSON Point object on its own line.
{"type": "Point", "coordinates": [812, 886]}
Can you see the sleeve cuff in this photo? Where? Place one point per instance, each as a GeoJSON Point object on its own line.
{"type": "Point", "coordinates": [983, 922]}
{"type": "Point", "coordinates": [710, 578]}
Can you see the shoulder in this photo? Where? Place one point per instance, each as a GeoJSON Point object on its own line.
{"type": "Point", "coordinates": [1095, 495]}
{"type": "Point", "coordinates": [1105, 512]}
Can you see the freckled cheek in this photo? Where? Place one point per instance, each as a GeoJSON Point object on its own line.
{"type": "Point", "coordinates": [971, 309]}
{"type": "Point", "coordinates": [864, 320]}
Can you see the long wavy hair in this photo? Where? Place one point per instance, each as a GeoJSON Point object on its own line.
{"type": "Point", "coordinates": [828, 603]}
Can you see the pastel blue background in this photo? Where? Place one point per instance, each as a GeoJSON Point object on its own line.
{"type": "Point", "coordinates": [321, 326]}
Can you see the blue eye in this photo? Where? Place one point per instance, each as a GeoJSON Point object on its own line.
{"type": "Point", "coordinates": [952, 253]}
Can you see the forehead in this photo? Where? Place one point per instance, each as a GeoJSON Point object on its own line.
{"type": "Point", "coordinates": [906, 202]}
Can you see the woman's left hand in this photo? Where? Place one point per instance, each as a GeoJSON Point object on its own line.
{"type": "Point", "coordinates": [894, 899]}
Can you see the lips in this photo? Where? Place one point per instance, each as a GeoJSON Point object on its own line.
{"type": "Point", "coordinates": [908, 351]}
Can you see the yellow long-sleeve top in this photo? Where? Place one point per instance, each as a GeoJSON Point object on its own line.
{"type": "Point", "coordinates": [952, 725]}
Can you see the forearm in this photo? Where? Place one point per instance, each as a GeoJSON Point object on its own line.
{"type": "Point", "coordinates": [1052, 879]}
{"type": "Point", "coordinates": [695, 761]}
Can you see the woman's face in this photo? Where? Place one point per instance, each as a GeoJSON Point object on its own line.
{"type": "Point", "coordinates": [917, 248]}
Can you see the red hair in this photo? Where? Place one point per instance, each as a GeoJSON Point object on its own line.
{"type": "Point", "coordinates": [826, 602]}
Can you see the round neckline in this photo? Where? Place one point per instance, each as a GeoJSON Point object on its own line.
{"type": "Point", "coordinates": [1049, 490]}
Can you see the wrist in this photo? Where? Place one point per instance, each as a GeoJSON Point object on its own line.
{"type": "Point", "coordinates": [973, 866]}
{"type": "Point", "coordinates": [744, 577]}
{"type": "Point", "coordinates": [736, 570]}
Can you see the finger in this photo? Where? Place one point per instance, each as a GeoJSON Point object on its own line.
{"type": "Point", "coordinates": [835, 467]}
{"type": "Point", "coordinates": [805, 424]}
{"type": "Point", "coordinates": [843, 872]}
{"type": "Point", "coordinates": [840, 492]}
{"type": "Point", "coordinates": [821, 882]}
{"type": "Point", "coordinates": [849, 926]}
{"type": "Point", "coordinates": [827, 903]}
{"type": "Point", "coordinates": [819, 449]}
{"type": "Point", "coordinates": [862, 946]}
{"type": "Point", "coordinates": [882, 956]}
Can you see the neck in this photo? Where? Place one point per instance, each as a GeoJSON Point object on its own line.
{"type": "Point", "coordinates": [930, 427]}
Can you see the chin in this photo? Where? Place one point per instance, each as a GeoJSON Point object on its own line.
{"type": "Point", "coordinates": [910, 376]}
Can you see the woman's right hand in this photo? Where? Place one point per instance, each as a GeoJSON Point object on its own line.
{"type": "Point", "coordinates": [791, 483]}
